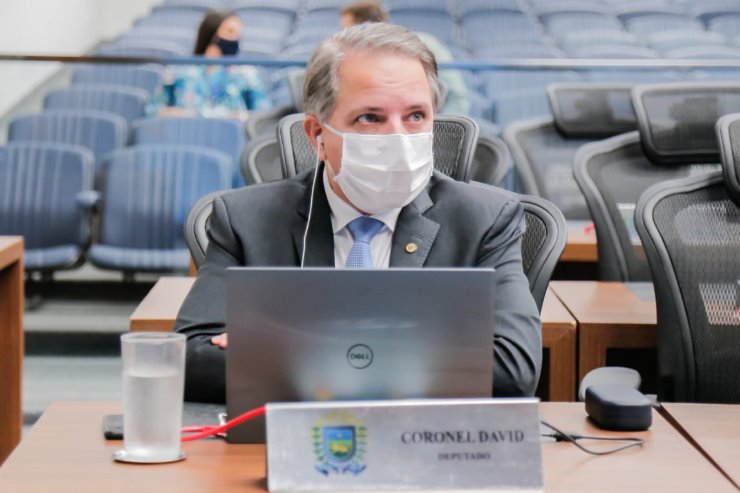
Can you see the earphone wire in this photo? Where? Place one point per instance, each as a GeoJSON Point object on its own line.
{"type": "Point", "coordinates": [310, 210]}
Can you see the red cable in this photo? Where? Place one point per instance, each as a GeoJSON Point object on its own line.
{"type": "Point", "coordinates": [213, 430]}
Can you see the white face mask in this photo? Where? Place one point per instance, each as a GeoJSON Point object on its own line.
{"type": "Point", "coordinates": [383, 172]}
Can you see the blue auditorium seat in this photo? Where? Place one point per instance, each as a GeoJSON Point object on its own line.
{"type": "Point", "coordinates": [174, 39]}
{"type": "Point", "coordinates": [428, 20]}
{"type": "Point", "coordinates": [145, 49]}
{"type": "Point", "coordinates": [726, 25]}
{"type": "Point", "coordinates": [644, 25]}
{"type": "Point", "coordinates": [98, 131]}
{"type": "Point", "coordinates": [127, 102]}
{"type": "Point", "coordinates": [670, 40]}
{"type": "Point", "coordinates": [183, 19]}
{"type": "Point", "coordinates": [279, 20]}
{"type": "Point", "coordinates": [437, 5]}
{"type": "Point", "coordinates": [45, 191]}
{"type": "Point", "coordinates": [147, 193]}
{"type": "Point", "coordinates": [227, 136]}
{"type": "Point", "coordinates": [515, 105]}
{"type": "Point", "coordinates": [147, 77]}
{"type": "Point", "coordinates": [473, 7]}
{"type": "Point", "coordinates": [287, 5]}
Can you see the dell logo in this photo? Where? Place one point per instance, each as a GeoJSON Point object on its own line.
{"type": "Point", "coordinates": [360, 356]}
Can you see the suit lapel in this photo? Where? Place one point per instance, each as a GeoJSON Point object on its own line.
{"type": "Point", "coordinates": [320, 241]}
{"type": "Point", "coordinates": [414, 234]}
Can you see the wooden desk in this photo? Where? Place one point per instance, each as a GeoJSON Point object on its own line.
{"type": "Point", "coordinates": [65, 452]}
{"type": "Point", "coordinates": [11, 342]}
{"type": "Point", "coordinates": [581, 245]}
{"type": "Point", "coordinates": [715, 429]}
{"type": "Point", "coordinates": [609, 315]}
{"type": "Point", "coordinates": [158, 311]}
{"type": "Point", "coordinates": [559, 338]}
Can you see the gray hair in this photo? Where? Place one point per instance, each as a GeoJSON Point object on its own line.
{"type": "Point", "coordinates": [321, 85]}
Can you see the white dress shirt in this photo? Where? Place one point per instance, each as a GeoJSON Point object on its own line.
{"type": "Point", "coordinates": [342, 214]}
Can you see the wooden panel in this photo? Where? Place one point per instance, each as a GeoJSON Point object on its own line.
{"type": "Point", "coordinates": [65, 452]}
{"type": "Point", "coordinates": [11, 342]}
{"type": "Point", "coordinates": [559, 337]}
{"type": "Point", "coordinates": [609, 315]}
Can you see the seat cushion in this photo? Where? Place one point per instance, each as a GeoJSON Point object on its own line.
{"type": "Point", "coordinates": [139, 259]}
{"type": "Point", "coordinates": [57, 257]}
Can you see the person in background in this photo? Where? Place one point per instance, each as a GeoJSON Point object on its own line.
{"type": "Point", "coordinates": [457, 101]}
{"type": "Point", "coordinates": [214, 90]}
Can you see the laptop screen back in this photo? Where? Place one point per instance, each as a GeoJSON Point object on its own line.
{"type": "Point", "coordinates": [345, 334]}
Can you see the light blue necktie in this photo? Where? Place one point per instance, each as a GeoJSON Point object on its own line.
{"type": "Point", "coordinates": [363, 230]}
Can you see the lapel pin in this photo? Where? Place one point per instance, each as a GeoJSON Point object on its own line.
{"type": "Point", "coordinates": [411, 247]}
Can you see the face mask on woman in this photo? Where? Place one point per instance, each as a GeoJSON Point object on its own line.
{"type": "Point", "coordinates": [228, 46]}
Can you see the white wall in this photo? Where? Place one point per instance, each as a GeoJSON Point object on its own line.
{"type": "Point", "coordinates": [61, 27]}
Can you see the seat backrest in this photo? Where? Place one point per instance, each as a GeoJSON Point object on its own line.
{"type": "Point", "coordinates": [491, 161]}
{"type": "Point", "coordinates": [148, 191]}
{"type": "Point", "coordinates": [147, 77]}
{"type": "Point", "coordinates": [143, 50]}
{"type": "Point", "coordinates": [127, 102]}
{"type": "Point", "coordinates": [260, 161]}
{"type": "Point", "coordinates": [542, 243]}
{"type": "Point", "coordinates": [454, 144]}
{"type": "Point", "coordinates": [676, 139]}
{"type": "Point", "coordinates": [99, 131]}
{"type": "Point", "coordinates": [225, 135]}
{"type": "Point", "coordinates": [544, 148]}
{"type": "Point", "coordinates": [39, 183]}
{"type": "Point", "coordinates": [691, 232]}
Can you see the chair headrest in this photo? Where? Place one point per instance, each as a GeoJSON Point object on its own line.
{"type": "Point", "coordinates": [676, 121]}
{"type": "Point", "coordinates": [728, 133]}
{"type": "Point", "coordinates": [591, 110]}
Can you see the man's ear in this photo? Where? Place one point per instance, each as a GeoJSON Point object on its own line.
{"type": "Point", "coordinates": [312, 127]}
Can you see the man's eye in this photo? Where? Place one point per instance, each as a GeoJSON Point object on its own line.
{"type": "Point", "coordinates": [367, 118]}
{"type": "Point", "coordinates": [417, 116]}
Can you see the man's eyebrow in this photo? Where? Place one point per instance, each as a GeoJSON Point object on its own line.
{"type": "Point", "coordinates": [378, 109]}
{"type": "Point", "coordinates": [372, 109]}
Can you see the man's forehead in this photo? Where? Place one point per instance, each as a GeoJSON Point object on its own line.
{"type": "Point", "coordinates": [389, 73]}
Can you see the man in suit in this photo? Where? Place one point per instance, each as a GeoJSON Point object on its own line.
{"type": "Point", "coordinates": [370, 94]}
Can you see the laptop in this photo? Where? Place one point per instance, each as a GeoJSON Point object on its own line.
{"type": "Point", "coordinates": [317, 334]}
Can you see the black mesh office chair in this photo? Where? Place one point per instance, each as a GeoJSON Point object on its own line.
{"type": "Point", "coordinates": [544, 148]}
{"type": "Point", "coordinates": [491, 159]}
{"type": "Point", "coordinates": [542, 243]}
{"type": "Point", "coordinates": [675, 140]}
{"type": "Point", "coordinates": [260, 160]}
{"type": "Point", "coordinates": [454, 144]}
{"type": "Point", "coordinates": [691, 232]}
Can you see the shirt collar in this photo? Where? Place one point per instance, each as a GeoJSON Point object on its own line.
{"type": "Point", "coordinates": [342, 213]}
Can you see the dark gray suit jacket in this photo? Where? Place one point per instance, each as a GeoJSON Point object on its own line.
{"type": "Point", "coordinates": [454, 224]}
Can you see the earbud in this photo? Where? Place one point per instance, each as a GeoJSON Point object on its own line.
{"type": "Point", "coordinates": [319, 140]}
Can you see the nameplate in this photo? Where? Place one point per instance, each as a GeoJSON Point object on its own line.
{"type": "Point", "coordinates": [435, 444]}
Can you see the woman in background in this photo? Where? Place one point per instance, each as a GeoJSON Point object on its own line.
{"type": "Point", "coordinates": [214, 90]}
